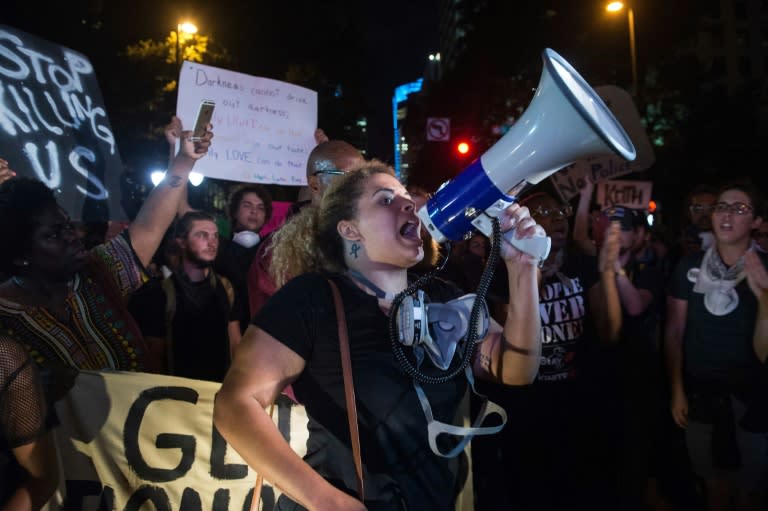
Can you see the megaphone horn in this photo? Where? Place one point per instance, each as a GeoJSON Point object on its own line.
{"type": "Point", "coordinates": [566, 121]}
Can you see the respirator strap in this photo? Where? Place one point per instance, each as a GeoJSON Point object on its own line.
{"type": "Point", "coordinates": [437, 428]}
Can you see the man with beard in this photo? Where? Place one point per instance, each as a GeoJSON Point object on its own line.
{"type": "Point", "coordinates": [192, 315]}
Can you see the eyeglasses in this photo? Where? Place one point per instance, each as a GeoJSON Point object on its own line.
{"type": "Point", "coordinates": [544, 212]}
{"type": "Point", "coordinates": [330, 172]}
{"type": "Point", "coordinates": [700, 208]}
{"type": "Point", "coordinates": [736, 208]}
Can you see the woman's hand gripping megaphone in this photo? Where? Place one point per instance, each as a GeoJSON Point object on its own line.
{"type": "Point", "coordinates": [526, 241]}
{"type": "Point", "coordinates": [516, 227]}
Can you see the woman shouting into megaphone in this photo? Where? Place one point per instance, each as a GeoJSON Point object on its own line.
{"type": "Point", "coordinates": [363, 239]}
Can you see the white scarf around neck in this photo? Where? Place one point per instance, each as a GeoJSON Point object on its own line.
{"type": "Point", "coordinates": [717, 282]}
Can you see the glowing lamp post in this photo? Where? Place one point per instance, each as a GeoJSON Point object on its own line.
{"type": "Point", "coordinates": [617, 7]}
{"type": "Point", "coordinates": [187, 28]}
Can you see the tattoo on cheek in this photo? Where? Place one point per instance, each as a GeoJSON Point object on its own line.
{"type": "Point", "coordinates": [354, 249]}
{"type": "Point", "coordinates": [174, 181]}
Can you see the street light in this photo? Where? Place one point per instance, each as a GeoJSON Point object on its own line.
{"type": "Point", "coordinates": [616, 7]}
{"type": "Point", "coordinates": [185, 27]}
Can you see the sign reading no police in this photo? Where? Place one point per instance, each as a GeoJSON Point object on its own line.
{"type": "Point", "coordinates": [438, 129]}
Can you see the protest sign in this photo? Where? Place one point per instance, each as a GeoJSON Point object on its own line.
{"type": "Point", "coordinates": [570, 180]}
{"type": "Point", "coordinates": [129, 439]}
{"type": "Point", "coordinates": [54, 126]}
{"type": "Point", "coordinates": [264, 129]}
{"type": "Point", "coordinates": [630, 194]}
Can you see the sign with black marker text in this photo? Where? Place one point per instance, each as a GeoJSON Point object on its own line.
{"type": "Point", "coordinates": [264, 129]}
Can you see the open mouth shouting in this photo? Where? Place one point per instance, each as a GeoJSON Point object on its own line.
{"type": "Point", "coordinates": [411, 231]}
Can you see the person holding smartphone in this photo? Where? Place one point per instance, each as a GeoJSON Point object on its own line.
{"type": "Point", "coordinates": [68, 304]}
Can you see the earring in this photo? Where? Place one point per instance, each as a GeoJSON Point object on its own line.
{"type": "Point", "coordinates": [25, 263]}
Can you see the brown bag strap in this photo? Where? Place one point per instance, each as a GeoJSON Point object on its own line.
{"type": "Point", "coordinates": [256, 498]}
{"type": "Point", "coordinates": [349, 388]}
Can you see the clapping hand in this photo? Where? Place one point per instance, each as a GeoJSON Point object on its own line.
{"type": "Point", "coordinates": [757, 276]}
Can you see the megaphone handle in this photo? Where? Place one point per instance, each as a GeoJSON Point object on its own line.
{"type": "Point", "coordinates": [537, 246]}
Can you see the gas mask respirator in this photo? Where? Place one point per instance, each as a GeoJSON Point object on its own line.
{"type": "Point", "coordinates": [435, 332]}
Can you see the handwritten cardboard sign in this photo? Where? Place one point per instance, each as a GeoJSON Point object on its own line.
{"type": "Point", "coordinates": [54, 126]}
{"type": "Point", "coordinates": [630, 194]}
{"type": "Point", "coordinates": [264, 129]}
{"type": "Point", "coordinates": [570, 180]}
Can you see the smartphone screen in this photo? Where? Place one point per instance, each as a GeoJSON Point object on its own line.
{"type": "Point", "coordinates": [204, 116]}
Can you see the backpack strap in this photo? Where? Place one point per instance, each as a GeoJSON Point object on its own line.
{"type": "Point", "coordinates": [227, 285]}
{"type": "Point", "coordinates": [170, 310]}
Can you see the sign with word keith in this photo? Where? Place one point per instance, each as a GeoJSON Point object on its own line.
{"type": "Point", "coordinates": [54, 126]}
{"type": "Point", "coordinates": [630, 194]}
{"type": "Point", "coordinates": [264, 129]}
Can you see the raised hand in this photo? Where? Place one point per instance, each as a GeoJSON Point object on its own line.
{"type": "Point", "coordinates": [757, 276]}
{"type": "Point", "coordinates": [5, 171]}
{"type": "Point", "coordinates": [195, 149]}
{"type": "Point", "coordinates": [608, 260]}
{"type": "Point", "coordinates": [173, 131]}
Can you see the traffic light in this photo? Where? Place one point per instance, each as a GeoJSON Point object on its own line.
{"type": "Point", "coordinates": [463, 148]}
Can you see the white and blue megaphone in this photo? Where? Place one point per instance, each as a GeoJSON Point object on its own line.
{"type": "Point", "coordinates": [565, 122]}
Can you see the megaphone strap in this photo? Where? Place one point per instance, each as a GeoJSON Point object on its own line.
{"type": "Point", "coordinates": [436, 428]}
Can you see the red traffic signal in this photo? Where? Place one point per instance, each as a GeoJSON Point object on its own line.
{"type": "Point", "coordinates": [463, 148]}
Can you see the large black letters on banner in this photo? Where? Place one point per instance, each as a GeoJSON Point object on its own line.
{"type": "Point", "coordinates": [54, 126]}
{"type": "Point", "coordinates": [153, 494]}
{"type": "Point", "coordinates": [220, 469]}
{"type": "Point", "coordinates": [186, 443]}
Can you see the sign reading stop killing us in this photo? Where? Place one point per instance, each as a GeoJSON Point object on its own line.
{"type": "Point", "coordinates": [54, 126]}
{"type": "Point", "coordinates": [264, 129]}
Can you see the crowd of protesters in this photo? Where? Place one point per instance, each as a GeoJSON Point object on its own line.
{"type": "Point", "coordinates": [632, 367]}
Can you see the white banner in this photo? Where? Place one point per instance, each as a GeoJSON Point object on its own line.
{"type": "Point", "coordinates": [264, 129]}
{"type": "Point", "coordinates": [129, 439]}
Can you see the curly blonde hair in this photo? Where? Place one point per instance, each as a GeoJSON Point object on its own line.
{"type": "Point", "coordinates": [309, 241]}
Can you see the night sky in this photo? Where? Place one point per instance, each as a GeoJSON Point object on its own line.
{"type": "Point", "coordinates": [366, 47]}
{"type": "Point", "coordinates": [370, 47]}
